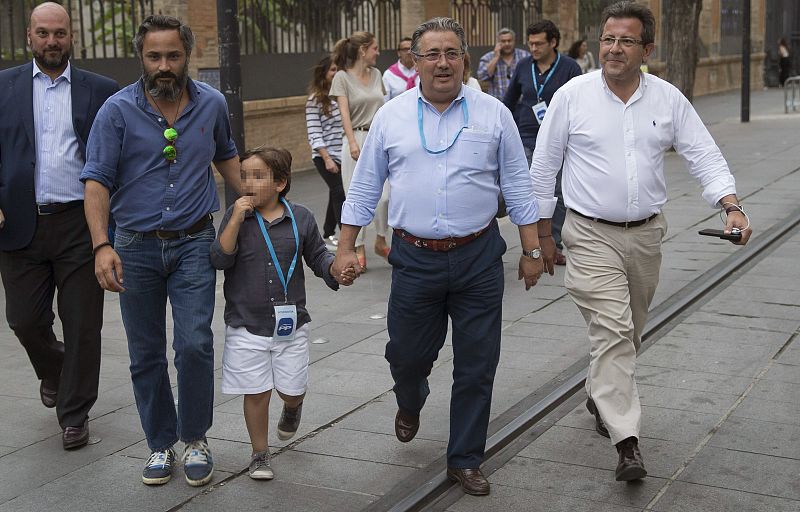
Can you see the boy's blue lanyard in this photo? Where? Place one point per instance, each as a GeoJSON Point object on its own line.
{"type": "Point", "coordinates": [539, 88]}
{"type": "Point", "coordinates": [420, 108]}
{"type": "Point", "coordinates": [284, 281]}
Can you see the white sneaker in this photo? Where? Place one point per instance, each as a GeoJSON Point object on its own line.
{"type": "Point", "coordinates": [198, 465]}
{"type": "Point", "coordinates": [260, 468]}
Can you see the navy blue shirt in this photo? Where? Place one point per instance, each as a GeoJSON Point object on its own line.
{"type": "Point", "coordinates": [124, 155]}
{"type": "Point", "coordinates": [522, 85]}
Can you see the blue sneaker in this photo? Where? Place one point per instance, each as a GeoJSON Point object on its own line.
{"type": "Point", "coordinates": [158, 468]}
{"type": "Point", "coordinates": [198, 465]}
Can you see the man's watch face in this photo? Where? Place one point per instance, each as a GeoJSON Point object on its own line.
{"type": "Point", "coordinates": [535, 253]}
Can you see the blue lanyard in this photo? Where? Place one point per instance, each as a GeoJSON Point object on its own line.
{"type": "Point", "coordinates": [536, 86]}
{"type": "Point", "coordinates": [285, 281]}
{"type": "Point", "coordinates": [422, 132]}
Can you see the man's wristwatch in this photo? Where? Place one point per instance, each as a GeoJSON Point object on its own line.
{"type": "Point", "coordinates": [533, 253]}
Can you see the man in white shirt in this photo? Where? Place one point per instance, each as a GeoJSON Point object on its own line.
{"type": "Point", "coordinates": [611, 130]}
{"type": "Point", "coordinates": [402, 75]}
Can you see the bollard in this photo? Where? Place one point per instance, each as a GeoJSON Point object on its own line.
{"type": "Point", "coordinates": [793, 83]}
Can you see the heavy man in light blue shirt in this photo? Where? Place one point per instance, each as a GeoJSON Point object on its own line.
{"type": "Point", "coordinates": [447, 151]}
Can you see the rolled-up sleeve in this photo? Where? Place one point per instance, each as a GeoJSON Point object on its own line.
{"type": "Point", "coordinates": [372, 170]}
{"type": "Point", "coordinates": [515, 180]}
{"type": "Point", "coordinates": [551, 142]}
{"type": "Point", "coordinates": [104, 147]}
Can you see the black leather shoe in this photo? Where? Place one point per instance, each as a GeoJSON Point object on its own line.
{"type": "Point", "coordinates": [472, 480]}
{"type": "Point", "coordinates": [75, 437]}
{"type": "Point", "coordinates": [405, 426]}
{"type": "Point", "coordinates": [631, 466]}
{"type": "Point", "coordinates": [599, 424]}
{"type": "Point", "coordinates": [48, 392]}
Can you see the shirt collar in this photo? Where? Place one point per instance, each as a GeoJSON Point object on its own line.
{"type": "Point", "coordinates": [67, 73]}
{"type": "Point", "coordinates": [639, 90]}
{"type": "Point", "coordinates": [406, 71]}
{"type": "Point", "coordinates": [457, 99]}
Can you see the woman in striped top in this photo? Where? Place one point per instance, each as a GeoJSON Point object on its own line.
{"type": "Point", "coordinates": [324, 124]}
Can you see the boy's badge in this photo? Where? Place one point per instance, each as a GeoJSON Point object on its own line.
{"type": "Point", "coordinates": [285, 322]}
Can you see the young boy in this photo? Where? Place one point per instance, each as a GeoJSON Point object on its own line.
{"type": "Point", "coordinates": [266, 333]}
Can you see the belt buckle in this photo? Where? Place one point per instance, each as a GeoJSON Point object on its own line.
{"type": "Point", "coordinates": [451, 244]}
{"type": "Point", "coordinates": [39, 210]}
{"type": "Point", "coordinates": [158, 235]}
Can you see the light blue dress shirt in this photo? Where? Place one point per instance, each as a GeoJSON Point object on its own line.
{"type": "Point", "coordinates": [450, 194]}
{"type": "Point", "coordinates": [58, 156]}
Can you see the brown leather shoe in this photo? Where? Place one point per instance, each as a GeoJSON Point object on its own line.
{"type": "Point", "coordinates": [48, 392]}
{"type": "Point", "coordinates": [75, 437]}
{"type": "Point", "coordinates": [631, 466]}
{"type": "Point", "coordinates": [472, 480]}
{"type": "Point", "coordinates": [405, 426]}
{"type": "Point", "coordinates": [599, 424]}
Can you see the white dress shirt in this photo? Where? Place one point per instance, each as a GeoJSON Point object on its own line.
{"type": "Point", "coordinates": [613, 153]}
{"type": "Point", "coordinates": [452, 193]}
{"type": "Point", "coordinates": [59, 160]}
{"type": "Point", "coordinates": [393, 84]}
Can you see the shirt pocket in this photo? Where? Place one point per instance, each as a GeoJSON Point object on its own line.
{"type": "Point", "coordinates": [474, 150]}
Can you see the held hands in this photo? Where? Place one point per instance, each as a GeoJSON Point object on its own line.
{"type": "Point", "coordinates": [108, 269]}
{"type": "Point", "coordinates": [345, 268]}
{"type": "Point", "coordinates": [2, 219]}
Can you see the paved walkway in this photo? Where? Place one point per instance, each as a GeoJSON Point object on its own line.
{"type": "Point", "coordinates": [721, 416]}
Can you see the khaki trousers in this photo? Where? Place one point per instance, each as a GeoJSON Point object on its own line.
{"type": "Point", "coordinates": [381, 219]}
{"type": "Point", "coordinates": [612, 274]}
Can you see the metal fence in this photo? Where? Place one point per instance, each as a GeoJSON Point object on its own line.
{"type": "Point", "coordinates": [303, 26]}
{"type": "Point", "coordinates": [101, 28]}
{"type": "Point", "coordinates": [482, 19]}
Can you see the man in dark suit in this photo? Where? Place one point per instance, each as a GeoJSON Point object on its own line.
{"type": "Point", "coordinates": [48, 108]}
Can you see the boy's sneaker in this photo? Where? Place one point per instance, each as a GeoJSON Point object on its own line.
{"type": "Point", "coordinates": [158, 468]}
{"type": "Point", "coordinates": [198, 465]}
{"type": "Point", "coordinates": [260, 468]}
{"type": "Point", "coordinates": [289, 422]}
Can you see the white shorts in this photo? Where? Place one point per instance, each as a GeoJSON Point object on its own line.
{"type": "Point", "coordinates": [252, 364]}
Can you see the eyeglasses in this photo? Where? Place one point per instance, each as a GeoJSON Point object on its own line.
{"type": "Point", "coordinates": [451, 55]}
{"type": "Point", "coordinates": [625, 42]}
{"type": "Point", "coordinates": [169, 151]}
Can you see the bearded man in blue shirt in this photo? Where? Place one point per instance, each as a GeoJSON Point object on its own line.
{"type": "Point", "coordinates": [149, 158]}
{"type": "Point", "coordinates": [446, 249]}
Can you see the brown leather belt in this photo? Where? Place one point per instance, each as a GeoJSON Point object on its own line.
{"type": "Point", "coordinates": [52, 208]}
{"type": "Point", "coordinates": [362, 129]}
{"type": "Point", "coordinates": [198, 226]}
{"type": "Point", "coordinates": [629, 224]}
{"type": "Point", "coordinates": [438, 245]}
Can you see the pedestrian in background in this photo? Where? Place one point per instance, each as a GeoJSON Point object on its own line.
{"type": "Point", "coordinates": [358, 89]}
{"type": "Point", "coordinates": [537, 77]}
{"type": "Point", "coordinates": [497, 66]}
{"type": "Point", "coordinates": [469, 80]}
{"type": "Point", "coordinates": [261, 237]}
{"type": "Point", "coordinates": [579, 51]}
{"type": "Point", "coordinates": [324, 126]}
{"type": "Point", "coordinates": [48, 107]}
{"type": "Point", "coordinates": [401, 76]}
{"type": "Point", "coordinates": [610, 131]}
{"type": "Point", "coordinates": [784, 61]}
{"type": "Point", "coordinates": [153, 144]}
{"type": "Point", "coordinates": [447, 249]}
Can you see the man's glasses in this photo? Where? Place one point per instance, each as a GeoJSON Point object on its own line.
{"type": "Point", "coordinates": [451, 55]}
{"type": "Point", "coordinates": [625, 42]}
{"type": "Point", "coordinates": [169, 151]}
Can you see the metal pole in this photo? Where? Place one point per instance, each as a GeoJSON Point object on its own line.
{"type": "Point", "coordinates": [230, 76]}
{"type": "Point", "coordinates": [746, 61]}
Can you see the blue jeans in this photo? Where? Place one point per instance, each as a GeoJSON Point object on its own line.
{"type": "Point", "coordinates": [178, 269]}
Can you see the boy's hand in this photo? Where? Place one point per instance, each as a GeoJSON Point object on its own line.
{"type": "Point", "coordinates": [242, 205]}
{"type": "Point", "coordinates": [346, 277]}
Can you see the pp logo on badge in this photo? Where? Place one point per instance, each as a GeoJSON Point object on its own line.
{"type": "Point", "coordinates": [285, 326]}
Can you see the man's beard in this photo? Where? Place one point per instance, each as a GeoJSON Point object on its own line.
{"type": "Point", "coordinates": [169, 91]}
{"type": "Point", "coordinates": [51, 62]}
